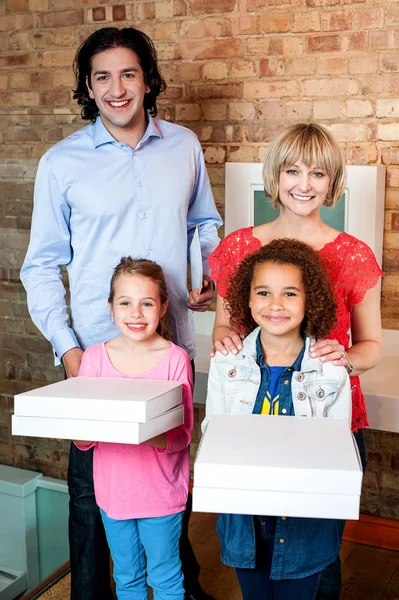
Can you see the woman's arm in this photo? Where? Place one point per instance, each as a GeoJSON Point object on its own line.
{"type": "Point", "coordinates": [224, 338]}
{"type": "Point", "coordinates": [365, 351]}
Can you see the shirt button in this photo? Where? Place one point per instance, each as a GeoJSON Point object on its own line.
{"type": "Point", "coordinates": [286, 382]}
{"type": "Point", "coordinates": [140, 184]}
{"type": "Point", "coordinates": [282, 540]}
{"type": "Point", "coordinates": [299, 377]}
{"type": "Point", "coordinates": [301, 396]}
{"type": "Point", "coordinates": [144, 216]}
{"type": "Point", "coordinates": [284, 411]}
{"type": "Point", "coordinates": [283, 518]}
{"type": "Point", "coordinates": [149, 247]}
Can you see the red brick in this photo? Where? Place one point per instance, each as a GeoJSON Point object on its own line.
{"type": "Point", "coordinates": [119, 13]}
{"type": "Point", "coordinates": [392, 15]}
{"type": "Point", "coordinates": [204, 7]}
{"type": "Point", "coordinates": [327, 65]}
{"type": "Point", "coordinates": [58, 58]}
{"type": "Point", "coordinates": [276, 22]}
{"type": "Point", "coordinates": [390, 62]}
{"type": "Point", "coordinates": [99, 13]}
{"type": "Point", "coordinates": [365, 63]}
{"type": "Point", "coordinates": [328, 3]}
{"type": "Point", "coordinates": [272, 67]}
{"type": "Point", "coordinates": [255, 5]}
{"type": "Point", "coordinates": [19, 99]}
{"type": "Point", "coordinates": [42, 79]}
{"type": "Point", "coordinates": [201, 50]}
{"type": "Point", "coordinates": [390, 156]}
{"type": "Point", "coordinates": [309, 21]}
{"type": "Point", "coordinates": [213, 111]}
{"type": "Point", "coordinates": [22, 134]}
{"type": "Point", "coordinates": [329, 87]}
{"type": "Point", "coordinates": [270, 89]}
{"type": "Point", "coordinates": [323, 43]}
{"type": "Point", "coordinates": [395, 227]}
{"type": "Point", "coordinates": [245, 25]}
{"type": "Point", "coordinates": [62, 18]}
{"type": "Point", "coordinates": [262, 133]}
{"type": "Point", "coordinates": [145, 10]}
{"type": "Point", "coordinates": [379, 39]}
{"type": "Point", "coordinates": [188, 71]}
{"type": "Point", "coordinates": [270, 110]}
{"type": "Point", "coordinates": [337, 20]}
{"type": "Point", "coordinates": [301, 66]}
{"type": "Point", "coordinates": [215, 91]}
{"type": "Point", "coordinates": [165, 31]}
{"type": "Point", "coordinates": [179, 8]}
{"type": "Point", "coordinates": [213, 27]}
{"type": "Point", "coordinates": [17, 5]}
{"type": "Point", "coordinates": [355, 40]}
{"type": "Point", "coordinates": [20, 60]}
{"type": "Point", "coordinates": [55, 97]}
{"type": "Point", "coordinates": [367, 18]}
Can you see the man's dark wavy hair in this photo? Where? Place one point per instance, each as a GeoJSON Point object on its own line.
{"type": "Point", "coordinates": [108, 38]}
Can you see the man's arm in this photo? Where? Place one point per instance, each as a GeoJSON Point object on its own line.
{"type": "Point", "coordinates": [49, 249]}
{"type": "Point", "coordinates": [202, 212]}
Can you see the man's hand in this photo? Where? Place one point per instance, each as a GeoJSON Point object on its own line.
{"type": "Point", "coordinates": [71, 361]}
{"type": "Point", "coordinates": [201, 302]}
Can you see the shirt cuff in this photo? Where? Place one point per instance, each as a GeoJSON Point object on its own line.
{"type": "Point", "coordinates": [62, 341]}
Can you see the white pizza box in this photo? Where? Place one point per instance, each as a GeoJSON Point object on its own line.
{"type": "Point", "coordinates": [278, 466]}
{"type": "Point", "coordinates": [122, 432]}
{"type": "Point", "coordinates": [100, 398]}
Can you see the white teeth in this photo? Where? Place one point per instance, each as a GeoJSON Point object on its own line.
{"type": "Point", "coordinates": [136, 325]}
{"type": "Point", "coordinates": [122, 103]}
{"type": "Point", "coordinates": [303, 198]}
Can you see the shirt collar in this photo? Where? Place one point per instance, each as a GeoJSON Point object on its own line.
{"type": "Point", "coordinates": [101, 135]}
{"type": "Point", "coordinates": [296, 365]}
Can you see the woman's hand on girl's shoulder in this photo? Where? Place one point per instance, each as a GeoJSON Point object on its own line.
{"type": "Point", "coordinates": [330, 350]}
{"type": "Point", "coordinates": [225, 340]}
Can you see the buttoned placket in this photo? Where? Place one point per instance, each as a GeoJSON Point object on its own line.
{"type": "Point", "coordinates": [140, 195]}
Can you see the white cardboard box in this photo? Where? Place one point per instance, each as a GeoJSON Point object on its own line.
{"type": "Point", "coordinates": [102, 398]}
{"type": "Point", "coordinates": [120, 432]}
{"type": "Point", "coordinates": [281, 466]}
{"type": "Point", "coordinates": [102, 409]}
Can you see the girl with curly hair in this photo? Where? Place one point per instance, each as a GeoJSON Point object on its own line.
{"type": "Point", "coordinates": [281, 299]}
{"type": "Point", "coordinates": [303, 170]}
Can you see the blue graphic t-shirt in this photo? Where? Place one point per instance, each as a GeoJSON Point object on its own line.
{"type": "Point", "coordinates": [271, 399]}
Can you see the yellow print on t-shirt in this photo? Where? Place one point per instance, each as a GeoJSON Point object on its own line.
{"type": "Point", "coordinates": [270, 406]}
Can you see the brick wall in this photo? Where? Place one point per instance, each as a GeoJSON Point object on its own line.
{"type": "Point", "coordinates": [238, 71]}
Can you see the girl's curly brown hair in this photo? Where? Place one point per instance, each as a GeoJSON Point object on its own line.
{"type": "Point", "coordinates": [320, 306]}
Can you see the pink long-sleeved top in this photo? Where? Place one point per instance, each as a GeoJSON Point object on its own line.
{"type": "Point", "coordinates": [140, 481]}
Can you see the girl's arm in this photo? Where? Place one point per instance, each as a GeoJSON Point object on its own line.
{"type": "Point", "coordinates": [365, 351]}
{"type": "Point", "coordinates": [215, 398]}
{"type": "Point", "coordinates": [224, 338]}
{"type": "Point", "coordinates": [180, 437]}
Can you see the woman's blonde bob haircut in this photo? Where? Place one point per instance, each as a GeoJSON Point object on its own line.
{"type": "Point", "coordinates": [312, 144]}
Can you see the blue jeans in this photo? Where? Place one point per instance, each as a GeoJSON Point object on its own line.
{"type": "Point", "coordinates": [256, 584]}
{"type": "Point", "coordinates": [330, 581]}
{"type": "Point", "coordinates": [146, 546]}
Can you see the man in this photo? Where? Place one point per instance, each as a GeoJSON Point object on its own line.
{"type": "Point", "coordinates": [124, 184]}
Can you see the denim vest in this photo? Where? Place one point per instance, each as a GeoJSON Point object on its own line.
{"type": "Point", "coordinates": [237, 384]}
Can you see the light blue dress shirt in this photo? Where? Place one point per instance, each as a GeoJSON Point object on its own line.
{"type": "Point", "coordinates": [97, 200]}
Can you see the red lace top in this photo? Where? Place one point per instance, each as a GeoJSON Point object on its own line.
{"type": "Point", "coordinates": [352, 268]}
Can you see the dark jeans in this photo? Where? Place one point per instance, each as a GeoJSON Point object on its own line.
{"type": "Point", "coordinates": [88, 549]}
{"type": "Point", "coordinates": [330, 581]}
{"type": "Point", "coordinates": [256, 584]}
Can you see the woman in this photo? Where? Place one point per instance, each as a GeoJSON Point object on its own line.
{"type": "Point", "coordinates": [304, 170]}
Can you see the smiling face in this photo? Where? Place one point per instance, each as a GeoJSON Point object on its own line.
{"type": "Point", "coordinates": [303, 189]}
{"type": "Point", "coordinates": [277, 298]}
{"type": "Point", "coordinates": [117, 86]}
{"type": "Point", "coordinates": [137, 307]}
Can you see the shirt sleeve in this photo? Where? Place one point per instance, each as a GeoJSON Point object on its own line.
{"type": "Point", "coordinates": [49, 249]}
{"type": "Point", "coordinates": [202, 212]}
{"type": "Point", "coordinates": [361, 271]}
{"type": "Point", "coordinates": [179, 438]}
